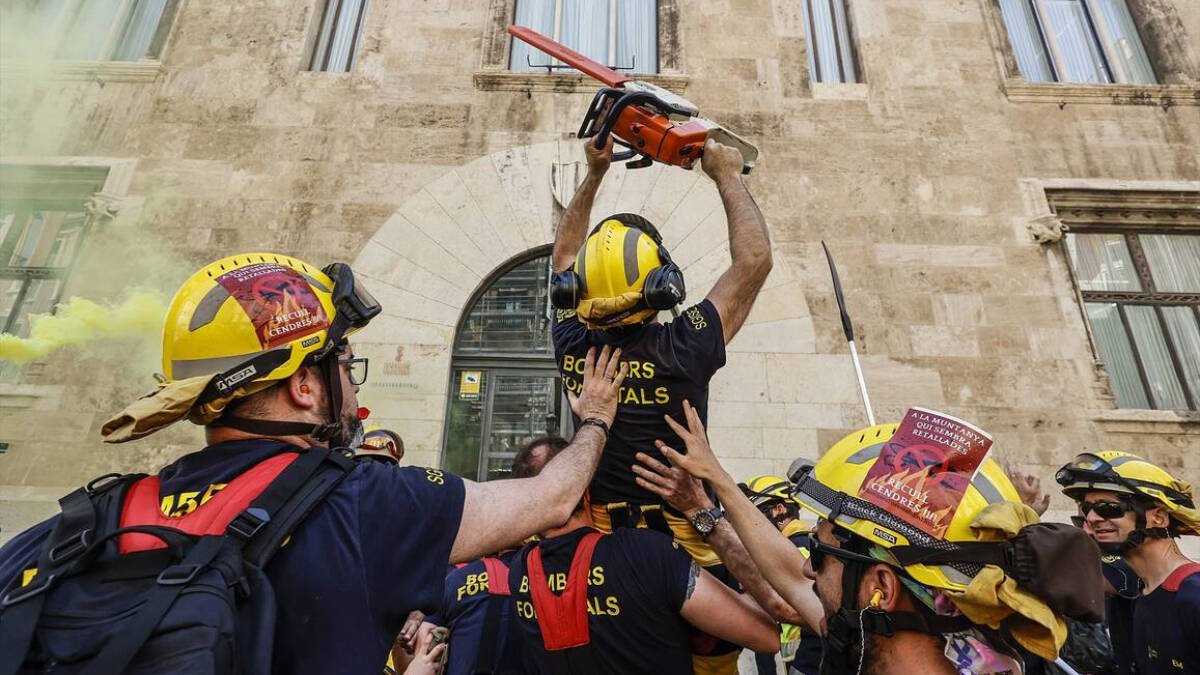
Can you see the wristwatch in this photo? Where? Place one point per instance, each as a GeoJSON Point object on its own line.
{"type": "Point", "coordinates": [706, 521]}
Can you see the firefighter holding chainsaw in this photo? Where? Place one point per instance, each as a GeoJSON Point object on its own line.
{"type": "Point", "coordinates": [608, 286]}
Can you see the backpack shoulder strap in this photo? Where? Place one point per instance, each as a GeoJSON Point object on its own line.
{"type": "Point", "coordinates": [495, 640]}
{"type": "Point", "coordinates": [1181, 574]}
{"type": "Point", "coordinates": [71, 537]}
{"type": "Point", "coordinates": [272, 517]}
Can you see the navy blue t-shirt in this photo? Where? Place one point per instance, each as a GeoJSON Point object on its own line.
{"type": "Point", "coordinates": [373, 550]}
{"type": "Point", "coordinates": [465, 607]}
{"type": "Point", "coordinates": [1118, 611]}
{"type": "Point", "coordinates": [668, 363]}
{"type": "Point", "coordinates": [637, 584]}
{"type": "Point", "coordinates": [1166, 625]}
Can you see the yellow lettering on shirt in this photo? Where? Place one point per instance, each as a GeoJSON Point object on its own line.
{"type": "Point", "coordinates": [525, 610]}
{"type": "Point", "coordinates": [179, 505]}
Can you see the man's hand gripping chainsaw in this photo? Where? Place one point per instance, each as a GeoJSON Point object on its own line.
{"type": "Point", "coordinates": [647, 119]}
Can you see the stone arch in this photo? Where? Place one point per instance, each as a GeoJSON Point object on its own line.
{"type": "Point", "coordinates": [433, 255]}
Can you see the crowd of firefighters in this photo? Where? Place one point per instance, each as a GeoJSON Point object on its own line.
{"type": "Point", "coordinates": [627, 548]}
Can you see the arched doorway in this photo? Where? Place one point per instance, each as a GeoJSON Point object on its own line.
{"type": "Point", "coordinates": [504, 389]}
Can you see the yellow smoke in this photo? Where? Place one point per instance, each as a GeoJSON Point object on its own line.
{"type": "Point", "coordinates": [79, 321]}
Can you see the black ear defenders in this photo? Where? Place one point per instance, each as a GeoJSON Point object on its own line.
{"type": "Point", "coordinates": [664, 287]}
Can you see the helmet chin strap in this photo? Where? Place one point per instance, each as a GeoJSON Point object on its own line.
{"type": "Point", "coordinates": [335, 433]}
{"type": "Point", "coordinates": [1138, 536]}
{"type": "Point", "coordinates": [844, 643]}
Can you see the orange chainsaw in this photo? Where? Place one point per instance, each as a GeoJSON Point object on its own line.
{"type": "Point", "coordinates": [651, 122]}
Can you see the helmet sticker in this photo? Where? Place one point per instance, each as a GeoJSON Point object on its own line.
{"type": "Point", "coordinates": [923, 472]}
{"type": "Point", "coordinates": [278, 300]}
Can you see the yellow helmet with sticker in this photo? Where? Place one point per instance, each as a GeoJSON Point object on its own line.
{"type": "Point", "coordinates": [237, 326]}
{"type": "Point", "coordinates": [240, 308]}
{"type": "Point", "coordinates": [1127, 473]}
{"type": "Point", "coordinates": [831, 491]}
{"type": "Point", "coordinates": [624, 275]}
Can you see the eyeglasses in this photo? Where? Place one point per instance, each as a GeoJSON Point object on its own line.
{"type": "Point", "coordinates": [1106, 509]}
{"type": "Point", "coordinates": [356, 369]}
{"type": "Point", "coordinates": [818, 550]}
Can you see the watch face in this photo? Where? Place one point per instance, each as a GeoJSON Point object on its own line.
{"type": "Point", "coordinates": [704, 522]}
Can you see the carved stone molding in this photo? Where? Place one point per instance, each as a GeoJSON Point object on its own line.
{"type": "Point", "coordinates": [102, 207]}
{"type": "Point", "coordinates": [85, 71]}
{"type": "Point", "coordinates": [1046, 229]}
{"type": "Point", "coordinates": [1164, 96]}
{"type": "Point", "coordinates": [506, 80]}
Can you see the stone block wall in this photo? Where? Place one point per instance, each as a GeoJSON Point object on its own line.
{"type": "Point", "coordinates": [430, 169]}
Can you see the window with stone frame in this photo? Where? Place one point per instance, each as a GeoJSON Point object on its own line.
{"type": "Point", "coordinates": [1137, 271]}
{"type": "Point", "coordinates": [505, 389]}
{"type": "Point", "coordinates": [45, 216]}
{"type": "Point", "coordinates": [102, 30]}
{"type": "Point", "coordinates": [495, 72]}
{"type": "Point", "coordinates": [338, 36]}
{"type": "Point", "coordinates": [830, 48]}
{"type": "Point", "coordinates": [1084, 41]}
{"type": "Point", "coordinates": [622, 34]}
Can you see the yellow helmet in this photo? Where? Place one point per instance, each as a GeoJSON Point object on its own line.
{"type": "Point", "coordinates": [764, 490]}
{"type": "Point", "coordinates": [830, 491]}
{"type": "Point", "coordinates": [383, 443]}
{"type": "Point", "coordinates": [240, 308]}
{"type": "Point", "coordinates": [1127, 473]}
{"type": "Point", "coordinates": [240, 324]}
{"type": "Point", "coordinates": [623, 274]}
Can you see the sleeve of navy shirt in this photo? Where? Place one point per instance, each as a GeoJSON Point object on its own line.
{"type": "Point", "coordinates": [662, 569]}
{"type": "Point", "coordinates": [408, 520]}
{"type": "Point", "coordinates": [566, 330]}
{"type": "Point", "coordinates": [695, 342]}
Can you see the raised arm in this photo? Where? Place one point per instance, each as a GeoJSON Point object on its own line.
{"type": "Point", "coordinates": [749, 242]}
{"type": "Point", "coordinates": [685, 494]}
{"type": "Point", "coordinates": [573, 227]}
{"type": "Point", "coordinates": [715, 609]}
{"type": "Point", "coordinates": [502, 513]}
{"type": "Point", "coordinates": [780, 562]}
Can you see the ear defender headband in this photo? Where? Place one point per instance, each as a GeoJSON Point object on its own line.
{"type": "Point", "coordinates": [663, 289]}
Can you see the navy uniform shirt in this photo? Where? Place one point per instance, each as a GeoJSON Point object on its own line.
{"type": "Point", "coordinates": [1118, 611]}
{"type": "Point", "coordinates": [1166, 625]}
{"type": "Point", "coordinates": [668, 363]}
{"type": "Point", "coordinates": [637, 583]}
{"type": "Point", "coordinates": [373, 550]}
{"type": "Point", "coordinates": [466, 603]}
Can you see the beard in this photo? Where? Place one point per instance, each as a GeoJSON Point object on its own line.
{"type": "Point", "coordinates": [349, 434]}
{"type": "Point", "coordinates": [860, 655]}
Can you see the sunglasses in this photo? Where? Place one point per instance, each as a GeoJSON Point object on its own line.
{"type": "Point", "coordinates": [356, 369]}
{"type": "Point", "coordinates": [1107, 510]}
{"type": "Point", "coordinates": [818, 552]}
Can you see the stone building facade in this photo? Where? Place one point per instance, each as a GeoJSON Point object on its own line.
{"type": "Point", "coordinates": [941, 179]}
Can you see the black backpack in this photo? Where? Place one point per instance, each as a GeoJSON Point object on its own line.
{"type": "Point", "coordinates": [200, 605]}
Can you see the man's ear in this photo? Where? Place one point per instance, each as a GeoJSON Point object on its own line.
{"type": "Point", "coordinates": [1157, 516]}
{"type": "Point", "coordinates": [881, 588]}
{"type": "Point", "coordinates": [303, 389]}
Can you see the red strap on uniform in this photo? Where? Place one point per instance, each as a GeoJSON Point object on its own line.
{"type": "Point", "coordinates": [497, 573]}
{"type": "Point", "coordinates": [1176, 578]}
{"type": "Point", "coordinates": [142, 505]}
{"type": "Point", "coordinates": [563, 619]}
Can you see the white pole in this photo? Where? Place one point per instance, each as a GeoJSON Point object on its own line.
{"type": "Point", "coordinates": [862, 383]}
